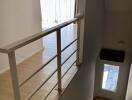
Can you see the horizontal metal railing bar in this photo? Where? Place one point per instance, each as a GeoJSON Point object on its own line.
{"type": "Point", "coordinates": [48, 63]}
{"type": "Point", "coordinates": [69, 44]}
{"type": "Point", "coordinates": [69, 57]}
{"type": "Point", "coordinates": [69, 68]}
{"type": "Point", "coordinates": [30, 39]}
{"type": "Point", "coordinates": [28, 98]}
{"type": "Point", "coordinates": [61, 78]}
{"type": "Point", "coordinates": [37, 71]}
{"type": "Point", "coordinates": [50, 91]}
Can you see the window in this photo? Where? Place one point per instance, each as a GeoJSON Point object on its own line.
{"type": "Point", "coordinates": [110, 77]}
{"type": "Point", "coordinates": [56, 11]}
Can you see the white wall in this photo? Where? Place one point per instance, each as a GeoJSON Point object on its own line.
{"type": "Point", "coordinates": [129, 88]}
{"type": "Point", "coordinates": [82, 86]}
{"type": "Point", "coordinates": [118, 22]}
{"type": "Point", "coordinates": [81, 10]}
{"type": "Point", "coordinates": [19, 19]}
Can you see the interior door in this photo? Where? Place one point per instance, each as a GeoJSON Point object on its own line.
{"type": "Point", "coordinates": [111, 79]}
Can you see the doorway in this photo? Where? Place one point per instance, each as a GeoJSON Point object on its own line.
{"type": "Point", "coordinates": [110, 80]}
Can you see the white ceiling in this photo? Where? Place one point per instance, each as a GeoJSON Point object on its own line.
{"type": "Point", "coordinates": [118, 24]}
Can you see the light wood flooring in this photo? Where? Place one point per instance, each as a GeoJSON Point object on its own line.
{"type": "Point", "coordinates": [30, 65]}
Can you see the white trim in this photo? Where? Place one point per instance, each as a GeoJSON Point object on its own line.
{"type": "Point", "coordinates": [4, 70]}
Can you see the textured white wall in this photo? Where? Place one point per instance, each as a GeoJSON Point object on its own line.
{"type": "Point", "coordinates": [19, 19]}
{"type": "Point", "coordinates": [129, 89]}
{"type": "Point", "coordinates": [118, 22]}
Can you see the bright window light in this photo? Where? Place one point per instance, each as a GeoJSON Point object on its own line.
{"type": "Point", "coordinates": [110, 77]}
{"type": "Point", "coordinates": [56, 11]}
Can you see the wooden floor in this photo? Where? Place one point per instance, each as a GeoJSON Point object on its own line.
{"type": "Point", "coordinates": [30, 65]}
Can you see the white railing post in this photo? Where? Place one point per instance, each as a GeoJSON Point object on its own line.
{"type": "Point", "coordinates": [59, 59]}
{"type": "Point", "coordinates": [14, 77]}
{"type": "Point", "coordinates": [78, 43]}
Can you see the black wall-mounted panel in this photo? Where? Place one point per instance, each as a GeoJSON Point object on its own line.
{"type": "Point", "coordinates": [112, 55]}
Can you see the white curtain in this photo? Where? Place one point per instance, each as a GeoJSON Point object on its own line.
{"type": "Point", "coordinates": [56, 11]}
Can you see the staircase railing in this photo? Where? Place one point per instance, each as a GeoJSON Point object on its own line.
{"type": "Point", "coordinates": [10, 50]}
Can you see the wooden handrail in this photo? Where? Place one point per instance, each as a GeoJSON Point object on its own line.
{"type": "Point", "coordinates": [30, 39]}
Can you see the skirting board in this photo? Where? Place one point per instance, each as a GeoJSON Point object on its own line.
{"type": "Point", "coordinates": [4, 70]}
{"type": "Point", "coordinates": [7, 67]}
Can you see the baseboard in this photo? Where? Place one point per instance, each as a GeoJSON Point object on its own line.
{"type": "Point", "coordinates": [4, 70]}
{"type": "Point", "coordinates": [7, 68]}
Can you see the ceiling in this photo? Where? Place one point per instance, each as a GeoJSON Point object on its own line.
{"type": "Point", "coordinates": [118, 24]}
